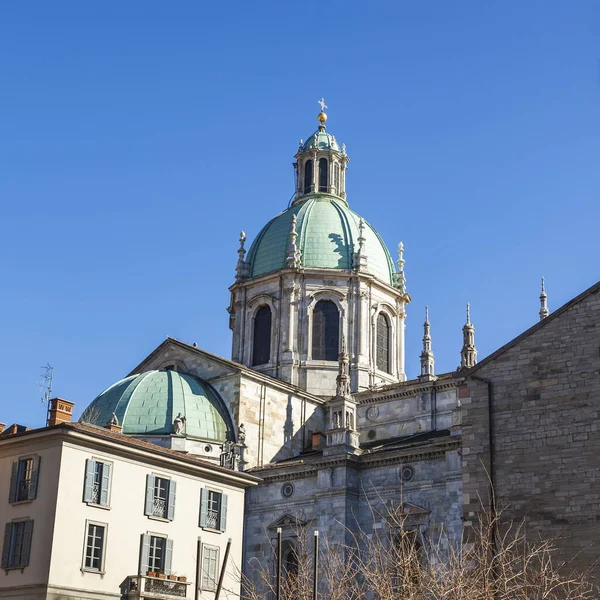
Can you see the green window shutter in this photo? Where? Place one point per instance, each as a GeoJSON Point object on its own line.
{"type": "Point", "coordinates": [171, 504]}
{"type": "Point", "coordinates": [149, 494]}
{"type": "Point", "coordinates": [105, 488]}
{"type": "Point", "coordinates": [6, 545]}
{"type": "Point", "coordinates": [168, 556]}
{"type": "Point", "coordinates": [223, 515]}
{"type": "Point", "coordinates": [14, 482]}
{"type": "Point", "coordinates": [88, 486]}
{"type": "Point", "coordinates": [203, 506]}
{"type": "Point", "coordinates": [35, 473]}
{"type": "Point", "coordinates": [144, 554]}
{"type": "Point", "coordinates": [27, 535]}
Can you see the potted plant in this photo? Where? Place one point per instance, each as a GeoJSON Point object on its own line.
{"type": "Point", "coordinates": [172, 577]}
{"type": "Point", "coordinates": [151, 573]}
{"type": "Point", "coordinates": [161, 575]}
{"type": "Point", "coordinates": [182, 578]}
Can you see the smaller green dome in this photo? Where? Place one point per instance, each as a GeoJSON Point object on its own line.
{"type": "Point", "coordinates": [321, 140]}
{"type": "Point", "coordinates": [148, 403]}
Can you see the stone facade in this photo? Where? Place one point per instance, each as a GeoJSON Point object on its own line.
{"type": "Point", "coordinates": [530, 416]}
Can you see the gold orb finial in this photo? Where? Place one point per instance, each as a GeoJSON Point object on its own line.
{"type": "Point", "coordinates": [322, 116]}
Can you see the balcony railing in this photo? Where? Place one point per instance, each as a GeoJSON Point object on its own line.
{"type": "Point", "coordinates": [159, 508]}
{"type": "Point", "coordinates": [212, 519]}
{"type": "Point", "coordinates": [141, 586]}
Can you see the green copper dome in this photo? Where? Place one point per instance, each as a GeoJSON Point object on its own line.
{"type": "Point", "coordinates": [328, 234]}
{"type": "Point", "coordinates": [322, 140]}
{"type": "Point", "coordinates": [147, 404]}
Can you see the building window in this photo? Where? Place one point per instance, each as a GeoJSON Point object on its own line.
{"type": "Point", "coordinates": [160, 497]}
{"type": "Point", "coordinates": [325, 331]}
{"type": "Point", "coordinates": [17, 544]}
{"type": "Point", "coordinates": [213, 509]}
{"type": "Point", "coordinates": [336, 177]}
{"type": "Point", "coordinates": [96, 489]}
{"type": "Point", "coordinates": [323, 174]}
{"type": "Point", "coordinates": [308, 176]}
{"type": "Point", "coordinates": [261, 345]}
{"type": "Point", "coordinates": [24, 479]}
{"type": "Point", "coordinates": [94, 547]}
{"type": "Point", "coordinates": [210, 566]}
{"type": "Point", "coordinates": [289, 559]}
{"type": "Point", "coordinates": [383, 343]}
{"type": "Point", "coordinates": [156, 554]}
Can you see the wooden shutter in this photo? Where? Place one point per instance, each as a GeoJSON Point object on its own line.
{"type": "Point", "coordinates": [223, 515]}
{"type": "Point", "coordinates": [35, 473]}
{"type": "Point", "coordinates": [203, 506]}
{"type": "Point", "coordinates": [171, 504]}
{"type": "Point", "coordinates": [149, 495]}
{"type": "Point", "coordinates": [88, 486]}
{"type": "Point", "coordinates": [105, 486]}
{"type": "Point", "coordinates": [27, 535]}
{"type": "Point", "coordinates": [144, 554]}
{"type": "Point", "coordinates": [6, 545]}
{"type": "Point", "coordinates": [14, 482]}
{"type": "Point", "coordinates": [168, 556]}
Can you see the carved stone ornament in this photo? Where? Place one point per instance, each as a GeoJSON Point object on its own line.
{"type": "Point", "coordinates": [373, 413]}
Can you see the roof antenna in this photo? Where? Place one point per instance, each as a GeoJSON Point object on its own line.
{"type": "Point", "coordinates": [45, 385]}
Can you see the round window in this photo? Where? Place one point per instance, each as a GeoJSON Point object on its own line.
{"type": "Point", "coordinates": [406, 473]}
{"type": "Point", "coordinates": [287, 490]}
{"type": "Point", "coordinates": [208, 448]}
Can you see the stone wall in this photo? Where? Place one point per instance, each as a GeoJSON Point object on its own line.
{"type": "Point", "coordinates": [530, 418]}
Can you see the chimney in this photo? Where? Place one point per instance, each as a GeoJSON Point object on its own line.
{"type": "Point", "coordinates": [2, 426]}
{"type": "Point", "coordinates": [60, 411]}
{"type": "Point", "coordinates": [113, 424]}
{"type": "Point", "coordinates": [316, 441]}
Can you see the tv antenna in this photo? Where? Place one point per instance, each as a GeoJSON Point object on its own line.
{"type": "Point", "coordinates": [46, 387]}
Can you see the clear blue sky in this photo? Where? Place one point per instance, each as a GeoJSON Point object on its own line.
{"type": "Point", "coordinates": [138, 138]}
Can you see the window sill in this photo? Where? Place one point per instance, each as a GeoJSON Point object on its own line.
{"type": "Point", "coordinates": [17, 502]}
{"type": "Point", "coordinates": [93, 571]}
{"type": "Point", "coordinates": [161, 519]}
{"type": "Point", "coordinates": [211, 530]}
{"type": "Point", "coordinates": [7, 569]}
{"type": "Point", "coordinates": [95, 505]}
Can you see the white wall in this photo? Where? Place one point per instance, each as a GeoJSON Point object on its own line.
{"type": "Point", "coordinates": [126, 523]}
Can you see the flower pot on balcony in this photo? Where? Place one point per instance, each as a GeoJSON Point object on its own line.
{"type": "Point", "coordinates": [172, 577]}
{"type": "Point", "coordinates": [151, 573]}
{"type": "Point", "coordinates": [161, 576]}
{"type": "Point", "coordinates": [182, 578]}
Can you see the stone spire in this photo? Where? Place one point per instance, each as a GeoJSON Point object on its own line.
{"type": "Point", "coordinates": [292, 260]}
{"type": "Point", "coordinates": [427, 362]}
{"type": "Point", "coordinates": [468, 354]}
{"type": "Point", "coordinates": [342, 380]}
{"type": "Point", "coordinates": [360, 258]}
{"type": "Point", "coordinates": [241, 269]}
{"type": "Point", "coordinates": [544, 312]}
{"type": "Point", "coordinates": [400, 279]}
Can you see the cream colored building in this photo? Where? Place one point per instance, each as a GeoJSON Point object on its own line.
{"type": "Point", "coordinates": [88, 512]}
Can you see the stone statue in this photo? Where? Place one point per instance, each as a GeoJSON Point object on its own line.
{"type": "Point", "coordinates": [114, 420]}
{"type": "Point", "coordinates": [178, 424]}
{"type": "Point", "coordinates": [242, 434]}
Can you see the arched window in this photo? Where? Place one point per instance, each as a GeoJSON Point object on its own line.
{"type": "Point", "coordinates": [261, 349]}
{"type": "Point", "coordinates": [336, 177]}
{"type": "Point", "coordinates": [323, 175]}
{"type": "Point", "coordinates": [325, 331]}
{"type": "Point", "coordinates": [383, 343]}
{"type": "Point", "coordinates": [308, 176]}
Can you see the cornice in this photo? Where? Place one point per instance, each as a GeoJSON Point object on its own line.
{"type": "Point", "coordinates": [415, 388]}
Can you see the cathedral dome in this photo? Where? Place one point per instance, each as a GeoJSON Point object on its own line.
{"type": "Point", "coordinates": [327, 237]}
{"type": "Point", "coordinates": [148, 403]}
